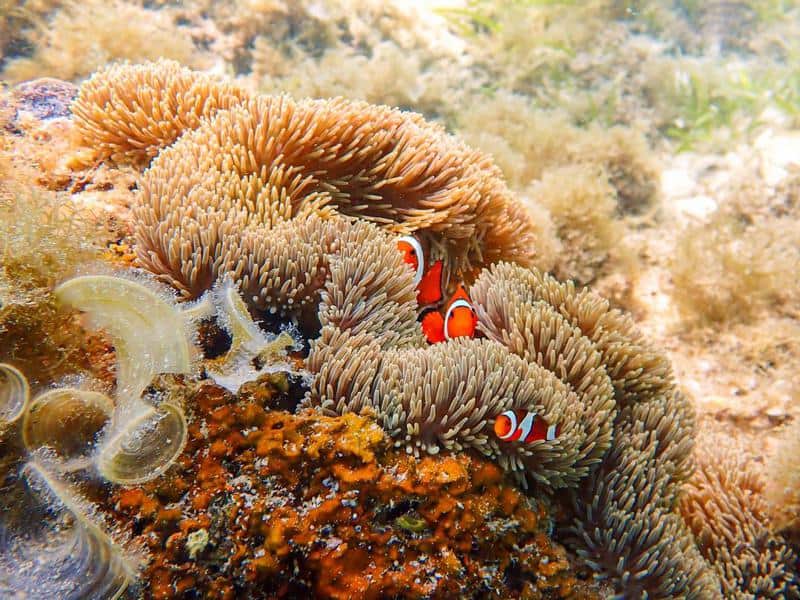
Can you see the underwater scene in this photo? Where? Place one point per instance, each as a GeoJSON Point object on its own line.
{"type": "Point", "coordinates": [404, 299]}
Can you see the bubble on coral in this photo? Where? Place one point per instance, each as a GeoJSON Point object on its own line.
{"type": "Point", "coordinates": [150, 334]}
{"type": "Point", "coordinates": [67, 421]}
{"type": "Point", "coordinates": [51, 546]}
{"type": "Point", "coordinates": [14, 394]}
{"type": "Point", "coordinates": [144, 447]}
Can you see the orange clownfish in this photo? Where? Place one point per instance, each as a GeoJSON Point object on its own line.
{"type": "Point", "coordinates": [428, 280]}
{"type": "Point", "coordinates": [524, 426]}
{"type": "Point", "coordinates": [459, 319]}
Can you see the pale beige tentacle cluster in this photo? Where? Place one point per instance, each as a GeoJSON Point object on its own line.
{"type": "Point", "coordinates": [726, 509]}
{"type": "Point", "coordinates": [626, 526]}
{"type": "Point", "coordinates": [625, 523]}
{"type": "Point", "coordinates": [447, 396]}
{"type": "Point", "coordinates": [129, 112]}
{"type": "Point", "coordinates": [239, 166]}
{"type": "Point", "coordinates": [538, 357]}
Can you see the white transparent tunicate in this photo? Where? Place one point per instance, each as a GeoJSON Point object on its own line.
{"type": "Point", "coordinates": [51, 548]}
{"type": "Point", "coordinates": [14, 394]}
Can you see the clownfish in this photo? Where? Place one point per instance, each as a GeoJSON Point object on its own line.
{"type": "Point", "coordinates": [429, 281]}
{"type": "Point", "coordinates": [459, 319]}
{"type": "Point", "coordinates": [524, 426]}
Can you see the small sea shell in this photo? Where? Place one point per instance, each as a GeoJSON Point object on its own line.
{"type": "Point", "coordinates": [14, 394]}
{"type": "Point", "coordinates": [144, 446]}
{"type": "Point", "coordinates": [67, 420]}
{"type": "Point", "coordinates": [150, 333]}
{"type": "Point", "coordinates": [51, 548]}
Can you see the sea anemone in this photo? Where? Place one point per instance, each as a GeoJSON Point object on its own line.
{"type": "Point", "coordinates": [129, 112]}
{"type": "Point", "coordinates": [725, 507]}
{"type": "Point", "coordinates": [272, 158]}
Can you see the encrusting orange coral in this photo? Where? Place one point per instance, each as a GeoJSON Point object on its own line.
{"type": "Point", "coordinates": [280, 505]}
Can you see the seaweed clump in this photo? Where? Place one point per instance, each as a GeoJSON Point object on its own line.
{"type": "Point", "coordinates": [41, 240]}
{"type": "Point", "coordinates": [749, 257]}
{"type": "Point", "coordinates": [745, 270]}
{"type": "Point", "coordinates": [83, 36]}
{"type": "Point", "coordinates": [582, 205]}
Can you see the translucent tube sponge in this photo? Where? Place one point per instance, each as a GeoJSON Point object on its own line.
{"type": "Point", "coordinates": [50, 546]}
{"type": "Point", "coordinates": [151, 335]}
{"type": "Point", "coordinates": [14, 394]}
{"type": "Point", "coordinates": [144, 447]}
{"type": "Point", "coordinates": [252, 352]}
{"type": "Point", "coordinates": [68, 421]}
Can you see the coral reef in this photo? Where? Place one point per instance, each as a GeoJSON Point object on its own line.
{"type": "Point", "coordinates": [724, 506]}
{"type": "Point", "coordinates": [587, 359]}
{"type": "Point", "coordinates": [272, 198]}
{"type": "Point", "coordinates": [252, 192]}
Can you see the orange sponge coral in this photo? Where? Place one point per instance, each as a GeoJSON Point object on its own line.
{"type": "Point", "coordinates": [266, 504]}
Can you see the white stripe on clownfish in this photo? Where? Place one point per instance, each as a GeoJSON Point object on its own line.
{"type": "Point", "coordinates": [416, 248]}
{"type": "Point", "coordinates": [460, 303]}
